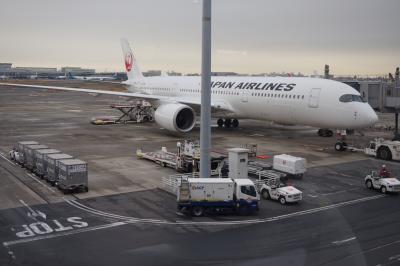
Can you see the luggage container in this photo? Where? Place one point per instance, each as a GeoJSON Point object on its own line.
{"type": "Point", "coordinates": [50, 167]}
{"type": "Point", "coordinates": [290, 165]}
{"type": "Point", "coordinates": [40, 163]}
{"type": "Point", "coordinates": [72, 175]}
{"type": "Point", "coordinates": [18, 153]}
{"type": "Point", "coordinates": [29, 155]}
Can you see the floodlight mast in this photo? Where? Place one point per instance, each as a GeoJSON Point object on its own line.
{"type": "Point", "coordinates": [205, 115]}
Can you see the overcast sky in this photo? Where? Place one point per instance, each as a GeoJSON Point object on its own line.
{"type": "Point", "coordinates": [249, 36]}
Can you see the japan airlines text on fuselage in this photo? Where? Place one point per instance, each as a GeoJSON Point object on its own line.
{"type": "Point", "coordinates": [307, 101]}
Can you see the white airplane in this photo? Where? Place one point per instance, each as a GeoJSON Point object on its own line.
{"type": "Point", "coordinates": [321, 103]}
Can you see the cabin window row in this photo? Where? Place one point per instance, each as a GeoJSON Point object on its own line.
{"type": "Point", "coordinates": [272, 95]}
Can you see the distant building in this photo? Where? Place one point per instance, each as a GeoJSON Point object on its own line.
{"type": "Point", "coordinates": [78, 70]}
{"type": "Point", "coordinates": [5, 67]}
{"type": "Point", "coordinates": [173, 73]}
{"type": "Point", "coordinates": [152, 73]}
{"type": "Point", "coordinates": [224, 74]}
{"type": "Point", "coordinates": [34, 70]}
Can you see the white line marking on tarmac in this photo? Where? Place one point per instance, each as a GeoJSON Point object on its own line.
{"type": "Point", "coordinates": [30, 175]}
{"type": "Point", "coordinates": [133, 220]}
{"type": "Point", "coordinates": [88, 229]}
{"type": "Point", "coordinates": [4, 157]}
{"type": "Point", "coordinates": [234, 222]}
{"type": "Point", "coordinates": [339, 242]}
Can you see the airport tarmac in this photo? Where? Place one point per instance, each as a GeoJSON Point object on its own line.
{"type": "Point", "coordinates": [126, 219]}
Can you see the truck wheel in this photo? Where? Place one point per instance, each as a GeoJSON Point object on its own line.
{"type": "Point", "coordinates": [282, 200]}
{"type": "Point", "coordinates": [384, 153]}
{"type": "Point", "coordinates": [368, 184]}
{"type": "Point", "coordinates": [265, 194]}
{"type": "Point", "coordinates": [383, 189]}
{"type": "Point", "coordinates": [197, 211]}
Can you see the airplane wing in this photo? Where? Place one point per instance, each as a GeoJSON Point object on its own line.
{"type": "Point", "coordinates": [218, 106]}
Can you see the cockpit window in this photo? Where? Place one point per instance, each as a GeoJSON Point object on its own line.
{"type": "Point", "coordinates": [346, 98]}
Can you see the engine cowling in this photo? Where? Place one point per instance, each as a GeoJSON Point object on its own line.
{"type": "Point", "coordinates": [175, 117]}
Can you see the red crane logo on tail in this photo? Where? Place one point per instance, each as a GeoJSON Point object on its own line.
{"type": "Point", "coordinates": [128, 61]}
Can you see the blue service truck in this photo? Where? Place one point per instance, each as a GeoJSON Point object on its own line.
{"type": "Point", "coordinates": [197, 196]}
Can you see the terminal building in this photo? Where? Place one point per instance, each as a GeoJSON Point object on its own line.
{"type": "Point", "coordinates": [77, 71]}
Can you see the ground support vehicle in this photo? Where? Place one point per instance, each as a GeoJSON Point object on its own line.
{"type": "Point", "coordinates": [384, 149]}
{"type": "Point", "coordinates": [186, 160]}
{"type": "Point", "coordinates": [197, 196]}
{"type": "Point", "coordinates": [270, 187]}
{"type": "Point", "coordinates": [385, 185]}
{"type": "Point", "coordinates": [138, 112]}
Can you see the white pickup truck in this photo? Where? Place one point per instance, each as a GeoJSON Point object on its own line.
{"type": "Point", "coordinates": [374, 181]}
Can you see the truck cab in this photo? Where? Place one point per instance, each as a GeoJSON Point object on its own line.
{"type": "Point", "coordinates": [246, 194]}
{"type": "Point", "coordinates": [385, 185]}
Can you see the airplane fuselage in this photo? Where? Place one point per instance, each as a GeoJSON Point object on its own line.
{"type": "Point", "coordinates": [290, 100]}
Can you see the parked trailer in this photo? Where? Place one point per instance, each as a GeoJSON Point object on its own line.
{"type": "Point", "coordinates": [50, 167]}
{"type": "Point", "coordinates": [200, 195]}
{"type": "Point", "coordinates": [163, 157]}
{"type": "Point", "coordinates": [290, 165]}
{"type": "Point", "coordinates": [186, 160]}
{"type": "Point", "coordinates": [40, 163]}
{"type": "Point", "coordinates": [17, 152]}
{"type": "Point", "coordinates": [29, 155]}
{"type": "Point", "coordinates": [72, 175]}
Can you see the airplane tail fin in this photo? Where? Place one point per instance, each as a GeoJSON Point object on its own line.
{"type": "Point", "coordinates": [131, 64]}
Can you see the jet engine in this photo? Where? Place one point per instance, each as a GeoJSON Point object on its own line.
{"type": "Point", "coordinates": [175, 117]}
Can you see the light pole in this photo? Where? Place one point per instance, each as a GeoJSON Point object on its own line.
{"type": "Point", "coordinates": [205, 125]}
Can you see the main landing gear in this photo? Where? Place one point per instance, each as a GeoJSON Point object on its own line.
{"type": "Point", "coordinates": [227, 123]}
{"type": "Point", "coordinates": [324, 132]}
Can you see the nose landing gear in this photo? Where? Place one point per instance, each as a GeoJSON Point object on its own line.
{"type": "Point", "coordinates": [341, 145]}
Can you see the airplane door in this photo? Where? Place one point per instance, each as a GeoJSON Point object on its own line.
{"type": "Point", "coordinates": [314, 97]}
{"type": "Point", "coordinates": [244, 97]}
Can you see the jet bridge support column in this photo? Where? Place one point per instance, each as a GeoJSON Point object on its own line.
{"type": "Point", "coordinates": [205, 124]}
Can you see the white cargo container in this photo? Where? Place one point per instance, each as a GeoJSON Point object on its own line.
{"type": "Point", "coordinates": [291, 165]}
{"type": "Point", "coordinates": [40, 163]}
{"type": "Point", "coordinates": [51, 166]}
{"type": "Point", "coordinates": [72, 175]}
{"type": "Point", "coordinates": [29, 155]}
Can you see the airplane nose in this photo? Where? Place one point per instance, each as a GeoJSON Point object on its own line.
{"type": "Point", "coordinates": [374, 118]}
{"type": "Point", "coordinates": [370, 117]}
